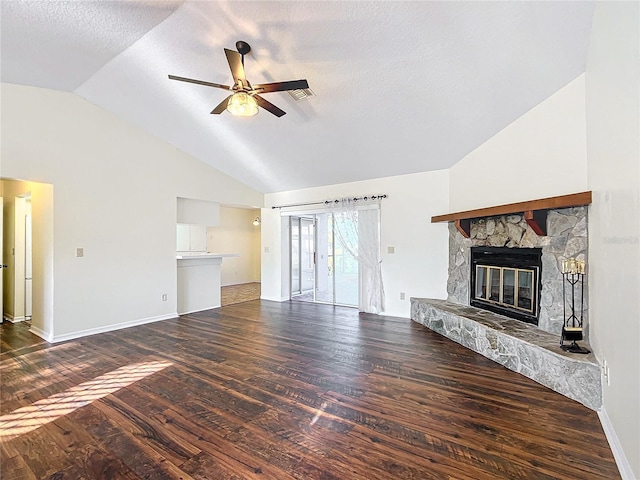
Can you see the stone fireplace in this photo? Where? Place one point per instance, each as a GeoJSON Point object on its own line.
{"type": "Point", "coordinates": [505, 291]}
{"type": "Point", "coordinates": [566, 237]}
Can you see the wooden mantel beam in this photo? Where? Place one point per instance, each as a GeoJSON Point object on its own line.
{"type": "Point", "coordinates": [535, 212]}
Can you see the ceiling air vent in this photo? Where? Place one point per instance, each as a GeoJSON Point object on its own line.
{"type": "Point", "coordinates": [301, 94]}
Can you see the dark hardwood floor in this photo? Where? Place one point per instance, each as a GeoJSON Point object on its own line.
{"type": "Point", "coordinates": [265, 390]}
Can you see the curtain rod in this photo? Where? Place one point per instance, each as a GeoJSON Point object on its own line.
{"type": "Point", "coordinates": [327, 202]}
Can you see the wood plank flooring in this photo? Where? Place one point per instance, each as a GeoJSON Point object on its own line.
{"type": "Point", "coordinates": [266, 390]}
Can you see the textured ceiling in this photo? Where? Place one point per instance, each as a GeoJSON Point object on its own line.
{"type": "Point", "coordinates": [401, 87]}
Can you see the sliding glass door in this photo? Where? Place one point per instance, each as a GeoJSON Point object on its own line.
{"type": "Point", "coordinates": [344, 228]}
{"type": "Point", "coordinates": [331, 260]}
{"type": "Point", "coordinates": [302, 256]}
{"type": "Point", "coordinates": [324, 255]}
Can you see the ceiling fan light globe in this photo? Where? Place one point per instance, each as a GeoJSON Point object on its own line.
{"type": "Point", "coordinates": [243, 105]}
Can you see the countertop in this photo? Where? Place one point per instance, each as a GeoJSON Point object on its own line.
{"type": "Point", "coordinates": [195, 255]}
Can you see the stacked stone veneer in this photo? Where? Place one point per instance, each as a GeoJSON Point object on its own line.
{"type": "Point", "coordinates": [566, 237]}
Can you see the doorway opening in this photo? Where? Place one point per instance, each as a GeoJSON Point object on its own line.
{"type": "Point", "coordinates": [324, 258]}
{"type": "Point", "coordinates": [27, 254]}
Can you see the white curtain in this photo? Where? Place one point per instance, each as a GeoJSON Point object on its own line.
{"type": "Point", "coordinates": [357, 226]}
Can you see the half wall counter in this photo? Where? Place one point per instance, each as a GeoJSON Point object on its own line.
{"type": "Point", "coordinates": [199, 283]}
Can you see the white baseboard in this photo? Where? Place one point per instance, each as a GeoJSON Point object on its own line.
{"type": "Point", "coordinates": [275, 299]}
{"type": "Point", "coordinates": [12, 319]}
{"type": "Point", "coordinates": [110, 328]}
{"type": "Point", "coordinates": [41, 333]}
{"type": "Point", "coordinates": [616, 448]}
{"type": "Point", "coordinates": [198, 310]}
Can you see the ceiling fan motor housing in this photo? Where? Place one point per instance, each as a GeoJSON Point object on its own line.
{"type": "Point", "coordinates": [243, 47]}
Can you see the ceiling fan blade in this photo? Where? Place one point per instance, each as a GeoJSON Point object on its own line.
{"type": "Point", "coordinates": [235, 64]}
{"type": "Point", "coordinates": [198, 82]}
{"type": "Point", "coordinates": [270, 107]}
{"type": "Point", "coordinates": [222, 106]}
{"type": "Point", "coordinates": [281, 86]}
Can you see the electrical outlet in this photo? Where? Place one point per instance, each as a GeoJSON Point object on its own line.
{"type": "Point", "coordinates": [79, 252]}
{"type": "Point", "coordinates": [164, 297]}
{"type": "Point", "coordinates": [401, 295]}
{"type": "Point", "coordinates": [266, 249]}
{"type": "Point", "coordinates": [606, 373]}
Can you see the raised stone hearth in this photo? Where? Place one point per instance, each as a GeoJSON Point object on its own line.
{"type": "Point", "coordinates": [519, 346]}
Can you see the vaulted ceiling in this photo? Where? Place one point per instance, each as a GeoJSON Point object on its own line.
{"type": "Point", "coordinates": [401, 87]}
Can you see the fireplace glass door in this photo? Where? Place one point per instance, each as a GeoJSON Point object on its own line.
{"type": "Point", "coordinates": [509, 286]}
{"type": "Point", "coordinates": [525, 290]}
{"type": "Point", "coordinates": [506, 281]}
{"type": "Point", "coordinates": [495, 280]}
{"type": "Point", "coordinates": [498, 285]}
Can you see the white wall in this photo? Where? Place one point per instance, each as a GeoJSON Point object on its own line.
{"type": "Point", "coordinates": [115, 196]}
{"type": "Point", "coordinates": [542, 154]}
{"type": "Point", "coordinates": [237, 234]}
{"type": "Point", "coordinates": [418, 267]}
{"type": "Point", "coordinates": [198, 212]}
{"type": "Point", "coordinates": [274, 247]}
{"type": "Point", "coordinates": [613, 126]}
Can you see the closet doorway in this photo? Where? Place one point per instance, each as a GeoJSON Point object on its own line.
{"type": "Point", "coordinates": [324, 265]}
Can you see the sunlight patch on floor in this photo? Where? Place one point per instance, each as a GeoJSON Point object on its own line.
{"type": "Point", "coordinates": [318, 414]}
{"type": "Point", "coordinates": [27, 419]}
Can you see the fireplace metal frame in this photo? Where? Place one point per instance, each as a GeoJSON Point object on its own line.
{"type": "Point", "coordinates": [511, 258]}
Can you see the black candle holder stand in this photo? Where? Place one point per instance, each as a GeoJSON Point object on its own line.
{"type": "Point", "coordinates": [572, 327]}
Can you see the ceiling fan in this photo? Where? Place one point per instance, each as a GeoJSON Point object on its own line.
{"type": "Point", "coordinates": [245, 99]}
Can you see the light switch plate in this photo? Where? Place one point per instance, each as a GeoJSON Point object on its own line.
{"type": "Point", "coordinates": [79, 252]}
